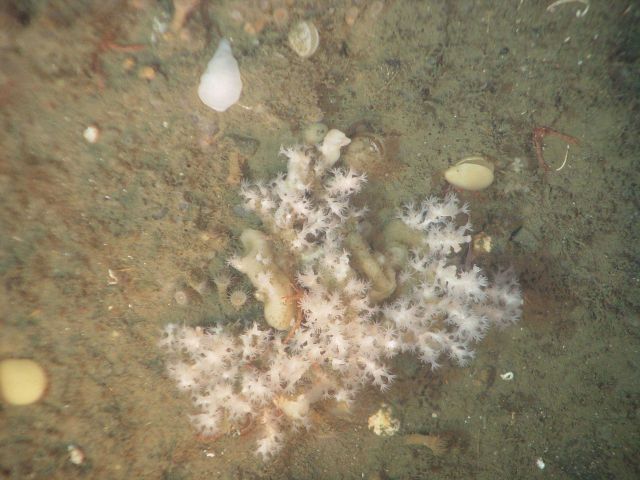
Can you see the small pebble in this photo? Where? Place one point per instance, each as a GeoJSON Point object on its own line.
{"type": "Point", "coordinates": [351, 16]}
{"type": "Point", "coordinates": [128, 63]}
{"type": "Point", "coordinates": [281, 16]}
{"type": "Point", "coordinates": [160, 213]}
{"type": "Point", "coordinates": [91, 134]}
{"type": "Point", "coordinates": [147, 73]}
{"type": "Point", "coordinates": [181, 297]}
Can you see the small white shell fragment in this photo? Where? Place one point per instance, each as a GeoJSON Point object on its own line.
{"type": "Point", "coordinates": [481, 243]}
{"type": "Point", "coordinates": [76, 455]}
{"type": "Point", "coordinates": [540, 463]}
{"type": "Point", "coordinates": [471, 173]}
{"type": "Point", "coordinates": [304, 39]}
{"type": "Point", "coordinates": [113, 279]}
{"type": "Point", "coordinates": [91, 134]}
{"type": "Point", "coordinates": [382, 422]}
{"type": "Point", "coordinates": [507, 377]}
{"type": "Point", "coordinates": [220, 84]}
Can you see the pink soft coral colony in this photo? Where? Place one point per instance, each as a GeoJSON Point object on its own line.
{"type": "Point", "coordinates": [341, 298]}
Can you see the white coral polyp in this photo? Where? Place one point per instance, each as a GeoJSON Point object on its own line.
{"type": "Point", "coordinates": [343, 340]}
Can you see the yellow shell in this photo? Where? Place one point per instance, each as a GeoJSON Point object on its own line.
{"type": "Point", "coordinates": [304, 39]}
{"type": "Point", "coordinates": [22, 381]}
{"type": "Point", "coordinates": [471, 173]}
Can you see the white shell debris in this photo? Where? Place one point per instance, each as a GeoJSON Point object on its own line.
{"type": "Point", "coordinates": [304, 39]}
{"type": "Point", "coordinates": [91, 134]}
{"type": "Point", "coordinates": [382, 422]}
{"type": "Point", "coordinates": [471, 173]}
{"type": "Point", "coordinates": [579, 13]}
{"type": "Point", "coordinates": [540, 463]}
{"type": "Point", "coordinates": [221, 85]}
{"type": "Point", "coordinates": [76, 455]}
{"type": "Point", "coordinates": [507, 377]}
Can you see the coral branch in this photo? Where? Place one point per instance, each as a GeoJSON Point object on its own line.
{"type": "Point", "coordinates": [336, 309]}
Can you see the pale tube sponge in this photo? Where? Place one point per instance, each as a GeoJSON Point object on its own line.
{"type": "Point", "coordinates": [330, 147]}
{"type": "Point", "coordinates": [382, 277]}
{"type": "Point", "coordinates": [398, 239]}
{"type": "Point", "coordinates": [272, 285]}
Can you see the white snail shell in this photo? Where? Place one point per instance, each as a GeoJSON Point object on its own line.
{"type": "Point", "coordinates": [220, 84]}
